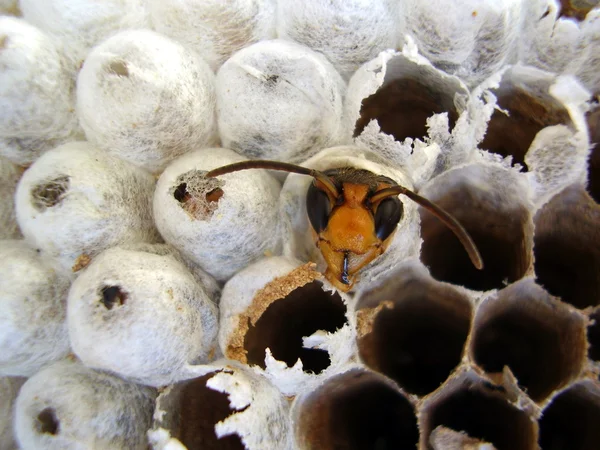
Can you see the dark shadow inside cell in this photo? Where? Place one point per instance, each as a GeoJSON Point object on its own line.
{"type": "Point", "coordinates": [358, 411]}
{"type": "Point", "coordinates": [51, 193]}
{"type": "Point", "coordinates": [490, 418]}
{"type": "Point", "coordinates": [286, 321]}
{"type": "Point", "coordinates": [593, 121]}
{"type": "Point", "coordinates": [402, 108]}
{"type": "Point", "coordinates": [501, 236]}
{"type": "Point", "coordinates": [567, 248]}
{"type": "Point", "coordinates": [512, 135]}
{"type": "Point", "coordinates": [47, 422]}
{"type": "Point", "coordinates": [593, 335]}
{"type": "Point", "coordinates": [577, 9]}
{"type": "Point", "coordinates": [420, 340]}
{"type": "Point", "coordinates": [113, 296]}
{"type": "Point", "coordinates": [528, 345]}
{"type": "Point", "coordinates": [200, 409]}
{"type": "Point", "coordinates": [571, 421]}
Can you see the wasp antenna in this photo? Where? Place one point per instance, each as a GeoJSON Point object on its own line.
{"type": "Point", "coordinates": [276, 165]}
{"type": "Point", "coordinates": [447, 219]}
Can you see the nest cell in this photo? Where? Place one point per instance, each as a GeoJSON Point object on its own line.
{"type": "Point", "coordinates": [593, 122]}
{"type": "Point", "coordinates": [480, 409]}
{"type": "Point", "coordinates": [570, 422]}
{"type": "Point", "coordinates": [567, 247]}
{"type": "Point", "coordinates": [355, 410]}
{"type": "Point", "coordinates": [494, 212]}
{"type": "Point", "coordinates": [526, 108]}
{"type": "Point", "coordinates": [542, 341]}
{"type": "Point", "coordinates": [413, 330]}
{"type": "Point", "coordinates": [593, 336]}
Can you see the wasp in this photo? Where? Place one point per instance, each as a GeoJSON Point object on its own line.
{"type": "Point", "coordinates": [354, 214]}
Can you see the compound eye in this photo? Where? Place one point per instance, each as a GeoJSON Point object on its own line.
{"type": "Point", "coordinates": [388, 214]}
{"type": "Point", "coordinates": [318, 207]}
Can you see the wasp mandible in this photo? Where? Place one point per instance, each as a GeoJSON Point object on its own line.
{"type": "Point", "coordinates": [354, 214]}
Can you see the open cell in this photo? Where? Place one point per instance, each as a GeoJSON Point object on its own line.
{"type": "Point", "coordinates": [570, 422]}
{"type": "Point", "coordinates": [286, 321]}
{"type": "Point", "coordinates": [480, 410]}
{"type": "Point", "coordinates": [356, 410]}
{"type": "Point", "coordinates": [541, 340]}
{"type": "Point", "coordinates": [497, 220]}
{"type": "Point", "coordinates": [417, 336]}
{"type": "Point", "coordinates": [593, 336]}
{"type": "Point", "coordinates": [567, 247]}
{"type": "Point", "coordinates": [593, 122]}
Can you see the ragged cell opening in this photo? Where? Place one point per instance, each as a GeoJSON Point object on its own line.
{"type": "Point", "coordinates": [113, 296]}
{"type": "Point", "coordinates": [50, 193]}
{"type": "Point", "coordinates": [577, 9]}
{"type": "Point", "coordinates": [354, 411]}
{"type": "Point", "coordinates": [593, 122]}
{"type": "Point", "coordinates": [512, 135]}
{"type": "Point", "coordinates": [200, 409]}
{"type": "Point", "coordinates": [542, 345]}
{"type": "Point", "coordinates": [197, 195]}
{"type": "Point", "coordinates": [47, 422]}
{"type": "Point", "coordinates": [501, 232]}
{"type": "Point", "coordinates": [593, 335]}
{"type": "Point", "coordinates": [286, 321]}
{"type": "Point", "coordinates": [567, 247]}
{"type": "Point", "coordinates": [571, 421]}
{"type": "Point", "coordinates": [483, 414]}
{"type": "Point", "coordinates": [402, 108]}
{"type": "Point", "coordinates": [420, 339]}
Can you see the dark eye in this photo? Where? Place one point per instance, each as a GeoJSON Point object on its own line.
{"type": "Point", "coordinates": [318, 207]}
{"type": "Point", "coordinates": [388, 214]}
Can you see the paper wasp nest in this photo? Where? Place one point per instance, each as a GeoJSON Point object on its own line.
{"type": "Point", "coordinates": [489, 108]}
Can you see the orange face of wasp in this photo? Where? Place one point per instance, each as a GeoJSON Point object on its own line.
{"type": "Point", "coordinates": [351, 231]}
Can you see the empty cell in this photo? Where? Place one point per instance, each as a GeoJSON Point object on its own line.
{"type": "Point", "coordinates": [567, 247]}
{"type": "Point", "coordinates": [570, 422]}
{"type": "Point", "coordinates": [593, 336]}
{"type": "Point", "coordinates": [402, 107]}
{"type": "Point", "coordinates": [417, 334]}
{"type": "Point", "coordinates": [285, 322]}
{"type": "Point", "coordinates": [491, 205]}
{"type": "Point", "coordinates": [542, 341]}
{"type": "Point", "coordinates": [473, 406]}
{"type": "Point", "coordinates": [593, 122]}
{"type": "Point", "coordinates": [355, 410]}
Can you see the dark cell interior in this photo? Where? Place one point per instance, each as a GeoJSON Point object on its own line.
{"type": "Point", "coordinates": [512, 135]}
{"type": "Point", "coordinates": [200, 409]}
{"type": "Point", "coordinates": [571, 421]}
{"type": "Point", "coordinates": [358, 411]}
{"type": "Point", "coordinates": [577, 9]}
{"type": "Point", "coordinates": [593, 335]}
{"type": "Point", "coordinates": [567, 248]}
{"type": "Point", "coordinates": [47, 422]}
{"type": "Point", "coordinates": [418, 342]}
{"type": "Point", "coordinates": [285, 322]}
{"type": "Point", "coordinates": [593, 121]}
{"type": "Point", "coordinates": [501, 237]}
{"type": "Point", "coordinates": [489, 418]}
{"type": "Point", "coordinates": [402, 107]}
{"type": "Point", "coordinates": [529, 345]}
{"type": "Point", "coordinates": [49, 194]}
{"type": "Point", "coordinates": [113, 296]}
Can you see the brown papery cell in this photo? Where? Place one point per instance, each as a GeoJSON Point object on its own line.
{"type": "Point", "coordinates": [577, 9]}
{"type": "Point", "coordinates": [529, 111]}
{"type": "Point", "coordinates": [402, 107]}
{"type": "Point", "coordinates": [495, 217]}
{"type": "Point", "coordinates": [196, 409]}
{"type": "Point", "coordinates": [541, 340]}
{"type": "Point", "coordinates": [567, 247]}
{"type": "Point", "coordinates": [570, 422]}
{"type": "Point", "coordinates": [593, 122]}
{"type": "Point", "coordinates": [356, 410]}
{"type": "Point", "coordinates": [481, 410]}
{"type": "Point", "coordinates": [286, 321]}
{"type": "Point", "coordinates": [413, 329]}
